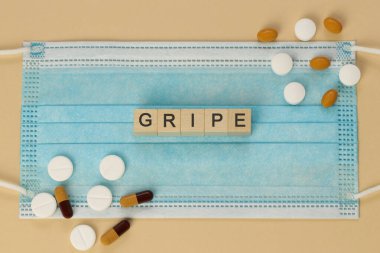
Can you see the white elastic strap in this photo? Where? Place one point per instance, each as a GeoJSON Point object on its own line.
{"type": "Point", "coordinates": [365, 49]}
{"type": "Point", "coordinates": [14, 51]}
{"type": "Point", "coordinates": [367, 192]}
{"type": "Point", "coordinates": [15, 187]}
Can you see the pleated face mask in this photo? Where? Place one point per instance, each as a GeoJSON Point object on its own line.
{"type": "Point", "coordinates": [300, 161]}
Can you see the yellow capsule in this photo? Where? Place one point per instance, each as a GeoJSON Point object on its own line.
{"type": "Point", "coordinates": [267, 35]}
{"type": "Point", "coordinates": [329, 98]}
{"type": "Point", "coordinates": [320, 63]}
{"type": "Point", "coordinates": [332, 25]}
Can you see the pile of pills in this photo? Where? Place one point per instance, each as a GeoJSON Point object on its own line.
{"type": "Point", "coordinates": [282, 63]}
{"type": "Point", "coordinates": [99, 198]}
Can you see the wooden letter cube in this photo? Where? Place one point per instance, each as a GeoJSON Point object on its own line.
{"type": "Point", "coordinates": [169, 122]}
{"type": "Point", "coordinates": [239, 121]}
{"type": "Point", "coordinates": [145, 122]}
{"type": "Point", "coordinates": [192, 122]}
{"type": "Point", "coordinates": [216, 121]}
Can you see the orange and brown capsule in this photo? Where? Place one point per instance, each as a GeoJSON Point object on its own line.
{"type": "Point", "coordinates": [136, 198]}
{"type": "Point", "coordinates": [114, 233]}
{"type": "Point", "coordinates": [63, 202]}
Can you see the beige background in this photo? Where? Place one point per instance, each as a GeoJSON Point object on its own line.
{"type": "Point", "coordinates": [237, 20]}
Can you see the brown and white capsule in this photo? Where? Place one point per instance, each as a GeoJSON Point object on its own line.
{"type": "Point", "coordinates": [114, 233]}
{"type": "Point", "coordinates": [329, 98]}
{"type": "Point", "coordinates": [320, 63]}
{"type": "Point", "coordinates": [136, 198]}
{"type": "Point", "coordinates": [267, 35]}
{"type": "Point", "coordinates": [63, 202]}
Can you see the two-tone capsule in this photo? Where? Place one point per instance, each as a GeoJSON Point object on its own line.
{"type": "Point", "coordinates": [136, 198]}
{"type": "Point", "coordinates": [63, 202]}
{"type": "Point", "coordinates": [114, 233]}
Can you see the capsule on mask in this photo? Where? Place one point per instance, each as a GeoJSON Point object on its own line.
{"type": "Point", "coordinates": [136, 198]}
{"type": "Point", "coordinates": [114, 233]}
{"type": "Point", "coordinates": [63, 202]}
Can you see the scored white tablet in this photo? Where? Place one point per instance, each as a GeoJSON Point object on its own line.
{"type": "Point", "coordinates": [60, 168]}
{"type": "Point", "coordinates": [112, 167]}
{"type": "Point", "coordinates": [99, 198]}
{"type": "Point", "coordinates": [43, 205]}
{"type": "Point", "coordinates": [83, 237]}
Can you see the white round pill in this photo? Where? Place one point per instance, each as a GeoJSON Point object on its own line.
{"type": "Point", "coordinates": [60, 168]}
{"type": "Point", "coordinates": [99, 198]}
{"type": "Point", "coordinates": [294, 93]}
{"type": "Point", "coordinates": [43, 205]}
{"type": "Point", "coordinates": [349, 75]}
{"type": "Point", "coordinates": [83, 237]}
{"type": "Point", "coordinates": [305, 29]}
{"type": "Point", "coordinates": [112, 167]}
{"type": "Point", "coordinates": [281, 64]}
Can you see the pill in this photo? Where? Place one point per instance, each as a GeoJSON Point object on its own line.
{"type": "Point", "coordinates": [267, 35]}
{"type": "Point", "coordinates": [60, 168]}
{"type": "Point", "coordinates": [112, 167]}
{"type": "Point", "coordinates": [320, 63]}
{"type": "Point", "coordinates": [332, 25]}
{"type": "Point", "coordinates": [99, 198]}
{"type": "Point", "coordinates": [63, 202]}
{"type": "Point", "coordinates": [329, 98]}
{"type": "Point", "coordinates": [136, 198]}
{"type": "Point", "coordinates": [43, 205]}
{"type": "Point", "coordinates": [281, 64]}
{"type": "Point", "coordinates": [349, 75]}
{"type": "Point", "coordinates": [114, 233]}
{"type": "Point", "coordinates": [305, 29]}
{"type": "Point", "coordinates": [294, 93]}
{"type": "Point", "coordinates": [83, 237]}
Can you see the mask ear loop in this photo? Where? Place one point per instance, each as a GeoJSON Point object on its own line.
{"type": "Point", "coordinates": [370, 51]}
{"type": "Point", "coordinates": [4, 184]}
{"type": "Point", "coordinates": [17, 188]}
{"type": "Point", "coordinates": [45, 203]}
{"type": "Point", "coordinates": [363, 49]}
{"type": "Point", "coordinates": [367, 192]}
{"type": "Point", "coordinates": [14, 51]}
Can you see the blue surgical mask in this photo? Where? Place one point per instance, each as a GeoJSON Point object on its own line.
{"type": "Point", "coordinates": [299, 162]}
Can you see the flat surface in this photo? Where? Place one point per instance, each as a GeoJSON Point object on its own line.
{"type": "Point", "coordinates": [182, 20]}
